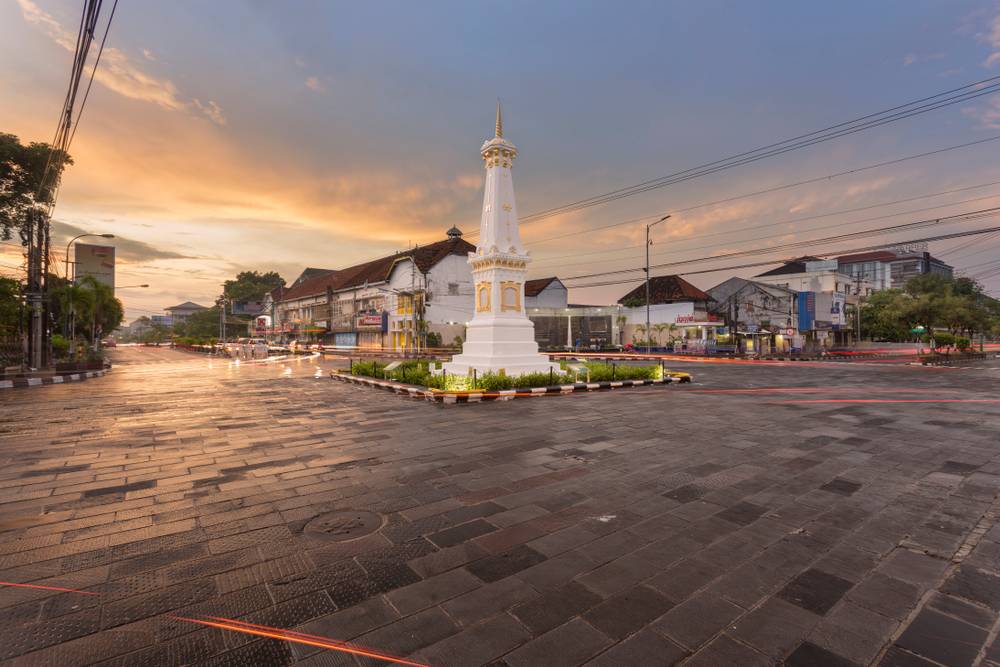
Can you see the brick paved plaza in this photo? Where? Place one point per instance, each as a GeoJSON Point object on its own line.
{"type": "Point", "coordinates": [639, 527]}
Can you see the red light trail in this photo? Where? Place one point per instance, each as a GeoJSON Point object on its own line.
{"type": "Point", "coordinates": [297, 637]}
{"type": "Point", "coordinates": [48, 588]}
{"type": "Point", "coordinates": [887, 400]}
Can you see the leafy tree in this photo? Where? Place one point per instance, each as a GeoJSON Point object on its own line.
{"type": "Point", "coordinates": [106, 313]}
{"type": "Point", "coordinates": [252, 285]}
{"type": "Point", "coordinates": [202, 324]}
{"type": "Point", "coordinates": [21, 174]}
{"type": "Point", "coordinates": [11, 312]}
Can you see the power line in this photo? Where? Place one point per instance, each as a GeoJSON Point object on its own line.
{"type": "Point", "coordinates": [776, 188]}
{"type": "Point", "coordinates": [93, 71]}
{"type": "Point", "coordinates": [971, 215]}
{"type": "Point", "coordinates": [770, 262]}
{"type": "Point", "coordinates": [900, 112]}
{"type": "Point", "coordinates": [804, 219]}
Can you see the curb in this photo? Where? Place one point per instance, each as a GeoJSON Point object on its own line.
{"type": "Point", "coordinates": [55, 379]}
{"type": "Point", "coordinates": [457, 397]}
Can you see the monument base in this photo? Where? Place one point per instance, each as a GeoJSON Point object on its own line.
{"type": "Point", "coordinates": [500, 345]}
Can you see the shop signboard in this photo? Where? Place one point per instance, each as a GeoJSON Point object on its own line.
{"type": "Point", "coordinates": [807, 310]}
{"type": "Point", "coordinates": [838, 302]}
{"type": "Point", "coordinates": [262, 323]}
{"type": "Point", "coordinates": [96, 261]}
{"type": "Point", "coordinates": [373, 321]}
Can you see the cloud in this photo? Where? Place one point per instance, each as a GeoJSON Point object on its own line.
{"type": "Point", "coordinates": [148, 54]}
{"type": "Point", "coordinates": [993, 39]}
{"type": "Point", "coordinates": [914, 58]}
{"type": "Point", "coordinates": [313, 83]}
{"type": "Point", "coordinates": [212, 110]}
{"type": "Point", "coordinates": [117, 72]}
{"type": "Point", "coordinates": [869, 186]}
{"type": "Point", "coordinates": [988, 115]}
{"type": "Point", "coordinates": [127, 250]}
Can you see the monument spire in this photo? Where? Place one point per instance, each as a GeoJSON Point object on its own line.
{"type": "Point", "coordinates": [500, 338]}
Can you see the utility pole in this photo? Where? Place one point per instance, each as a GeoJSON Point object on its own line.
{"type": "Point", "coordinates": [857, 308]}
{"type": "Point", "coordinates": [34, 292]}
{"type": "Point", "coordinates": [648, 243]}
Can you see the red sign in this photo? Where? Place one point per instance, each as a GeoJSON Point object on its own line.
{"type": "Point", "coordinates": [370, 320]}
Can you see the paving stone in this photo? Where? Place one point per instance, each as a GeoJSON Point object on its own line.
{"type": "Point", "coordinates": [353, 621]}
{"type": "Point", "coordinates": [555, 607]}
{"type": "Point", "coordinates": [569, 644]}
{"type": "Point", "coordinates": [887, 596]}
{"type": "Point", "coordinates": [743, 513]}
{"type": "Point", "coordinates": [679, 582]}
{"type": "Point", "coordinates": [446, 559]}
{"type": "Point", "coordinates": [463, 533]}
{"type": "Point", "coordinates": [412, 633]}
{"type": "Point", "coordinates": [495, 568]}
{"type": "Point", "coordinates": [897, 657]}
{"type": "Point", "coordinates": [694, 622]}
{"type": "Point", "coordinates": [942, 638]}
{"type": "Point", "coordinates": [433, 591]}
{"type": "Point", "coordinates": [488, 600]}
{"type": "Point", "coordinates": [810, 655]}
{"type": "Point", "coordinates": [978, 615]}
{"type": "Point", "coordinates": [815, 590]}
{"type": "Point", "coordinates": [854, 632]}
{"type": "Point", "coordinates": [774, 628]}
{"type": "Point", "coordinates": [641, 648]}
{"type": "Point", "coordinates": [975, 584]}
{"type": "Point", "coordinates": [725, 651]}
{"type": "Point", "coordinates": [477, 645]}
{"type": "Point", "coordinates": [555, 572]}
{"type": "Point", "coordinates": [619, 616]}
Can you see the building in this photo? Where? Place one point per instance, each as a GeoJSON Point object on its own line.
{"type": "Point", "coordinates": [892, 268]}
{"type": "Point", "coordinates": [677, 311]}
{"type": "Point", "coordinates": [545, 293]}
{"type": "Point", "coordinates": [388, 303]}
{"type": "Point", "coordinates": [759, 317]}
{"type": "Point", "coordinates": [181, 312]}
{"type": "Point", "coordinates": [825, 296]}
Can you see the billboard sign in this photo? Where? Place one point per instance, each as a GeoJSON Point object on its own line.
{"type": "Point", "coordinates": [97, 261]}
{"type": "Point", "coordinates": [807, 310]}
{"type": "Point", "coordinates": [838, 303]}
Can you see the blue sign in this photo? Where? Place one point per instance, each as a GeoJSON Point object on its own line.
{"type": "Point", "coordinates": [807, 310]}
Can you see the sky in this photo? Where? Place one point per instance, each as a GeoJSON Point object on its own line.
{"type": "Point", "coordinates": [250, 135]}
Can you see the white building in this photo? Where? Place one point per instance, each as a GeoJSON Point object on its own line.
{"type": "Point", "coordinates": [389, 303]}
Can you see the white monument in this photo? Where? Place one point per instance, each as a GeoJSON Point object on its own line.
{"type": "Point", "coordinates": [500, 338]}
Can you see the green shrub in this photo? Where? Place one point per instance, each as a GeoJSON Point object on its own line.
{"type": "Point", "coordinates": [943, 339]}
{"type": "Point", "coordinates": [541, 379]}
{"type": "Point", "coordinates": [963, 344]}
{"type": "Point", "coordinates": [60, 345]}
{"type": "Point", "coordinates": [494, 382]}
{"type": "Point", "coordinates": [370, 369]}
{"type": "Point", "coordinates": [433, 339]}
{"type": "Point", "coordinates": [602, 372]}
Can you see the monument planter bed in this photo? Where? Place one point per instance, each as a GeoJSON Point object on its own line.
{"type": "Point", "coordinates": [449, 396]}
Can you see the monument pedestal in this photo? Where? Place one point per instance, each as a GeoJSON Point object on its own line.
{"type": "Point", "coordinates": [500, 346]}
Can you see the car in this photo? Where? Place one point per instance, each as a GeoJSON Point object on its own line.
{"type": "Point", "coordinates": [109, 342]}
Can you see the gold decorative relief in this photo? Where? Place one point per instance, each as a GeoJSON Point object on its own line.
{"type": "Point", "coordinates": [510, 295]}
{"type": "Point", "coordinates": [483, 297]}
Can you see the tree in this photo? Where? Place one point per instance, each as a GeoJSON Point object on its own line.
{"type": "Point", "coordinates": [202, 324]}
{"type": "Point", "coordinates": [11, 312]}
{"type": "Point", "coordinates": [22, 170]}
{"type": "Point", "coordinates": [107, 311]}
{"type": "Point", "coordinates": [251, 285]}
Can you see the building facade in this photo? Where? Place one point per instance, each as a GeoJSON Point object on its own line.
{"type": "Point", "coordinates": [181, 312]}
{"type": "Point", "coordinates": [759, 317]}
{"type": "Point", "coordinates": [892, 268]}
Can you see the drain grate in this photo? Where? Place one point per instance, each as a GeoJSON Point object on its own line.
{"type": "Point", "coordinates": [344, 525]}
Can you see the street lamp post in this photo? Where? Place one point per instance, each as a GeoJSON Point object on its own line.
{"type": "Point", "coordinates": [129, 286]}
{"type": "Point", "coordinates": [73, 240]}
{"type": "Point", "coordinates": [648, 227]}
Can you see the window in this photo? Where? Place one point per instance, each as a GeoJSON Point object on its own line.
{"type": "Point", "coordinates": [452, 289]}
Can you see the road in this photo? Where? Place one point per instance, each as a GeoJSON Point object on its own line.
{"type": "Point", "coordinates": [818, 514]}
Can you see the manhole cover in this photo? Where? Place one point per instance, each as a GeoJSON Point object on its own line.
{"type": "Point", "coordinates": [343, 526]}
